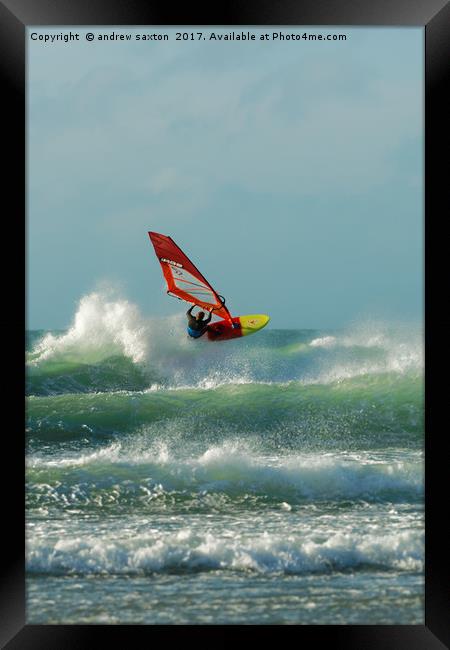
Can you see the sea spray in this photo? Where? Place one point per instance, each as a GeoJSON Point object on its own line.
{"type": "Point", "coordinates": [111, 346]}
{"type": "Point", "coordinates": [103, 326]}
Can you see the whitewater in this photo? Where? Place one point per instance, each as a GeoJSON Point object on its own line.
{"type": "Point", "coordinates": [276, 479]}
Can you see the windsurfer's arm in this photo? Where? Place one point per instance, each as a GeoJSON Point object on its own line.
{"type": "Point", "coordinates": [188, 313]}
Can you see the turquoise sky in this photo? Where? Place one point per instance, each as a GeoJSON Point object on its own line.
{"type": "Point", "coordinates": [291, 173]}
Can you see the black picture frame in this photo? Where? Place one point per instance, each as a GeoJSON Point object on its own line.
{"type": "Point", "coordinates": [434, 16]}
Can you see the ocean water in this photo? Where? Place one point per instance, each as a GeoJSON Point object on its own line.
{"type": "Point", "coordinates": [276, 479]}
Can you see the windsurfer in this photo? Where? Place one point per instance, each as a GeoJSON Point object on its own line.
{"type": "Point", "coordinates": [197, 325]}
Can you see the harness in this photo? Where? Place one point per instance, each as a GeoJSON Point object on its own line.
{"type": "Point", "coordinates": [196, 333]}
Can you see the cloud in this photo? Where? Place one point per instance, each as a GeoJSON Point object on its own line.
{"type": "Point", "coordinates": [192, 128]}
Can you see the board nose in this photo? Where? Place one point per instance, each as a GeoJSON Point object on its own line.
{"type": "Point", "coordinates": [254, 321]}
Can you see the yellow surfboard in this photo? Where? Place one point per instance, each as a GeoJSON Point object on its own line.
{"type": "Point", "coordinates": [251, 323]}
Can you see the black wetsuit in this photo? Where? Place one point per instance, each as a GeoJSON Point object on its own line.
{"type": "Point", "coordinates": [197, 327]}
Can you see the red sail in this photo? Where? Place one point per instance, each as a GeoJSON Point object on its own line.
{"type": "Point", "coordinates": [184, 280]}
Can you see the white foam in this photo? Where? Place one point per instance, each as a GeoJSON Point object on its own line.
{"type": "Point", "coordinates": [323, 342]}
{"type": "Point", "coordinates": [110, 454]}
{"type": "Point", "coordinates": [396, 349]}
{"type": "Point", "coordinates": [234, 466]}
{"type": "Point", "coordinates": [103, 325]}
{"type": "Point", "coordinates": [194, 549]}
